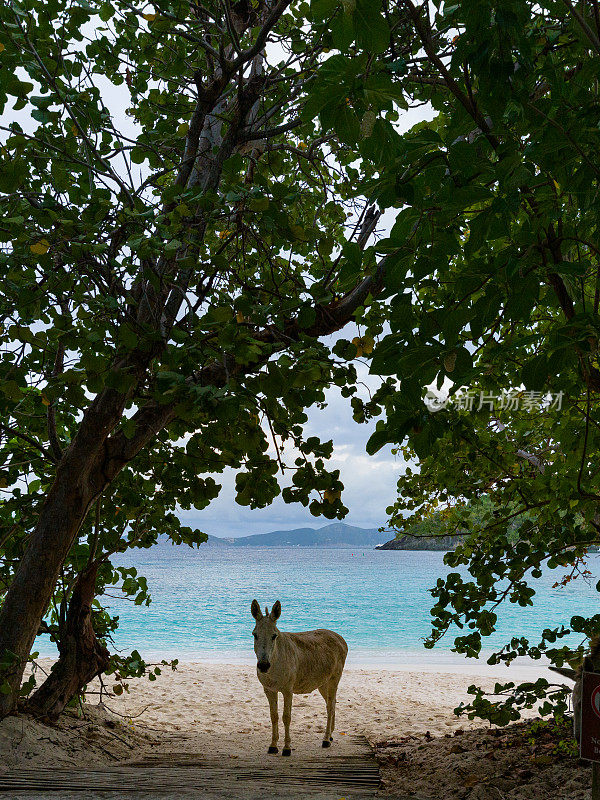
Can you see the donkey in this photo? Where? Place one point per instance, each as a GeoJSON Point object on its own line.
{"type": "Point", "coordinates": [296, 663]}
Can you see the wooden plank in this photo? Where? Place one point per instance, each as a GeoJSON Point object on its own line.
{"type": "Point", "coordinates": [354, 770]}
{"type": "Point", "coordinates": [120, 779]}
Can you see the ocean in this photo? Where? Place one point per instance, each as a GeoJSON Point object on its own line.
{"type": "Point", "coordinates": [378, 600]}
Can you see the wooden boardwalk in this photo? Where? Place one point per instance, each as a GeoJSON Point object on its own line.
{"type": "Point", "coordinates": [352, 773]}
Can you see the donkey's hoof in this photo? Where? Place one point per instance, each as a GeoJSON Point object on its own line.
{"type": "Point", "coordinates": [272, 750]}
{"type": "Point", "coordinates": [327, 743]}
{"type": "Point", "coordinates": [286, 751]}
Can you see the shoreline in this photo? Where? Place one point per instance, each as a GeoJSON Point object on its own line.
{"type": "Point", "coordinates": [403, 661]}
{"type": "Point", "coordinates": [204, 696]}
{"type": "Point", "coordinates": [219, 710]}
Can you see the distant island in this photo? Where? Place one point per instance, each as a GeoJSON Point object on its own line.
{"type": "Point", "coordinates": [339, 535]}
{"type": "Point", "coordinates": [406, 542]}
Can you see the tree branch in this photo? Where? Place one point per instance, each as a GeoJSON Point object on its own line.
{"type": "Point", "coordinates": [50, 415]}
{"type": "Point", "coordinates": [30, 440]}
{"type": "Point", "coordinates": [591, 36]}
{"type": "Point", "coordinates": [261, 40]}
{"type": "Point", "coordinates": [151, 418]}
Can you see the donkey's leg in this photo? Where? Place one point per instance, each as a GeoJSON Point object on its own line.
{"type": "Point", "coordinates": [287, 718]}
{"type": "Point", "coordinates": [326, 694]}
{"type": "Point", "coordinates": [332, 687]}
{"type": "Point", "coordinates": [333, 700]}
{"type": "Point", "coordinates": [272, 698]}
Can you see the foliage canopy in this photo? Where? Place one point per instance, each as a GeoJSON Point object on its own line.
{"type": "Point", "coordinates": [180, 233]}
{"type": "Point", "coordinates": [167, 284]}
{"type": "Point", "coordinates": [493, 278]}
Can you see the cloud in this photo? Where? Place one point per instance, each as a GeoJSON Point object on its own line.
{"type": "Point", "coordinates": [369, 482]}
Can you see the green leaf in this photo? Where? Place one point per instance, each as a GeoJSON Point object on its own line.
{"type": "Point", "coordinates": [370, 28]}
{"type": "Point", "coordinates": [10, 389]}
{"type": "Point", "coordinates": [342, 31]}
{"type": "Point", "coordinates": [344, 121]}
{"type": "Point", "coordinates": [106, 11]}
{"type": "Point", "coordinates": [138, 155]}
{"type": "Point", "coordinates": [128, 337]}
{"type": "Point", "coordinates": [376, 441]}
{"type": "Point", "coordinates": [259, 203]}
{"type": "Point", "coordinates": [535, 373]}
{"type": "Point", "coordinates": [173, 245]}
{"type": "Point", "coordinates": [298, 232]}
{"type": "Point", "coordinates": [12, 175]}
{"type": "Point", "coordinates": [321, 10]}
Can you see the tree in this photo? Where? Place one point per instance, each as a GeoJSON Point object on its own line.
{"type": "Point", "coordinates": [493, 280]}
{"type": "Point", "coordinates": [167, 280]}
{"type": "Point", "coordinates": [443, 527]}
{"type": "Point", "coordinates": [133, 514]}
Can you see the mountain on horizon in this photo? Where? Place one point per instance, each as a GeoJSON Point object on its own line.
{"type": "Point", "coordinates": [338, 534]}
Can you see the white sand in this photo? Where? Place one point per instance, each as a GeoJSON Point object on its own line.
{"type": "Point", "coordinates": [218, 713]}
{"type": "Point", "coordinates": [223, 708]}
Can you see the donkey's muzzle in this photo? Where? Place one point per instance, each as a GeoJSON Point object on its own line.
{"type": "Point", "coordinates": [263, 665]}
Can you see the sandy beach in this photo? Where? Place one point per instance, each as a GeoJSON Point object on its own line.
{"type": "Point", "coordinates": [224, 704]}
{"type": "Point", "coordinates": [218, 713]}
{"type": "Point", "coordinates": [220, 710]}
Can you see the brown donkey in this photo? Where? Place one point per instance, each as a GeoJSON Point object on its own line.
{"type": "Point", "coordinates": [296, 663]}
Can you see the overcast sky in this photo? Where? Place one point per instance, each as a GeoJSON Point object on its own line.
{"type": "Point", "coordinates": [369, 481]}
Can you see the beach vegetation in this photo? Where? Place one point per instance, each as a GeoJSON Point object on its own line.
{"type": "Point", "coordinates": [183, 230]}
{"type": "Point", "coordinates": [491, 366]}
{"type": "Point", "coordinates": [189, 197]}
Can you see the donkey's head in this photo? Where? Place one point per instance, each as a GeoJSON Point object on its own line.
{"type": "Point", "coordinates": [265, 633]}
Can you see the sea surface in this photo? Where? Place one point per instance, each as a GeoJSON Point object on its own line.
{"type": "Point", "coordinates": [377, 599]}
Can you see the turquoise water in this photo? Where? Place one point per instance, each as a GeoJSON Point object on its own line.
{"type": "Point", "coordinates": [378, 600]}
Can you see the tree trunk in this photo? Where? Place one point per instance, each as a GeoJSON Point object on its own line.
{"type": "Point", "coordinates": [28, 596]}
{"type": "Point", "coordinates": [82, 657]}
{"type": "Point", "coordinates": [92, 461]}
{"type": "Point", "coordinates": [80, 478]}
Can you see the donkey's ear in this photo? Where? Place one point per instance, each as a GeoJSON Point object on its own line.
{"type": "Point", "coordinates": [255, 610]}
{"type": "Point", "coordinates": [276, 610]}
